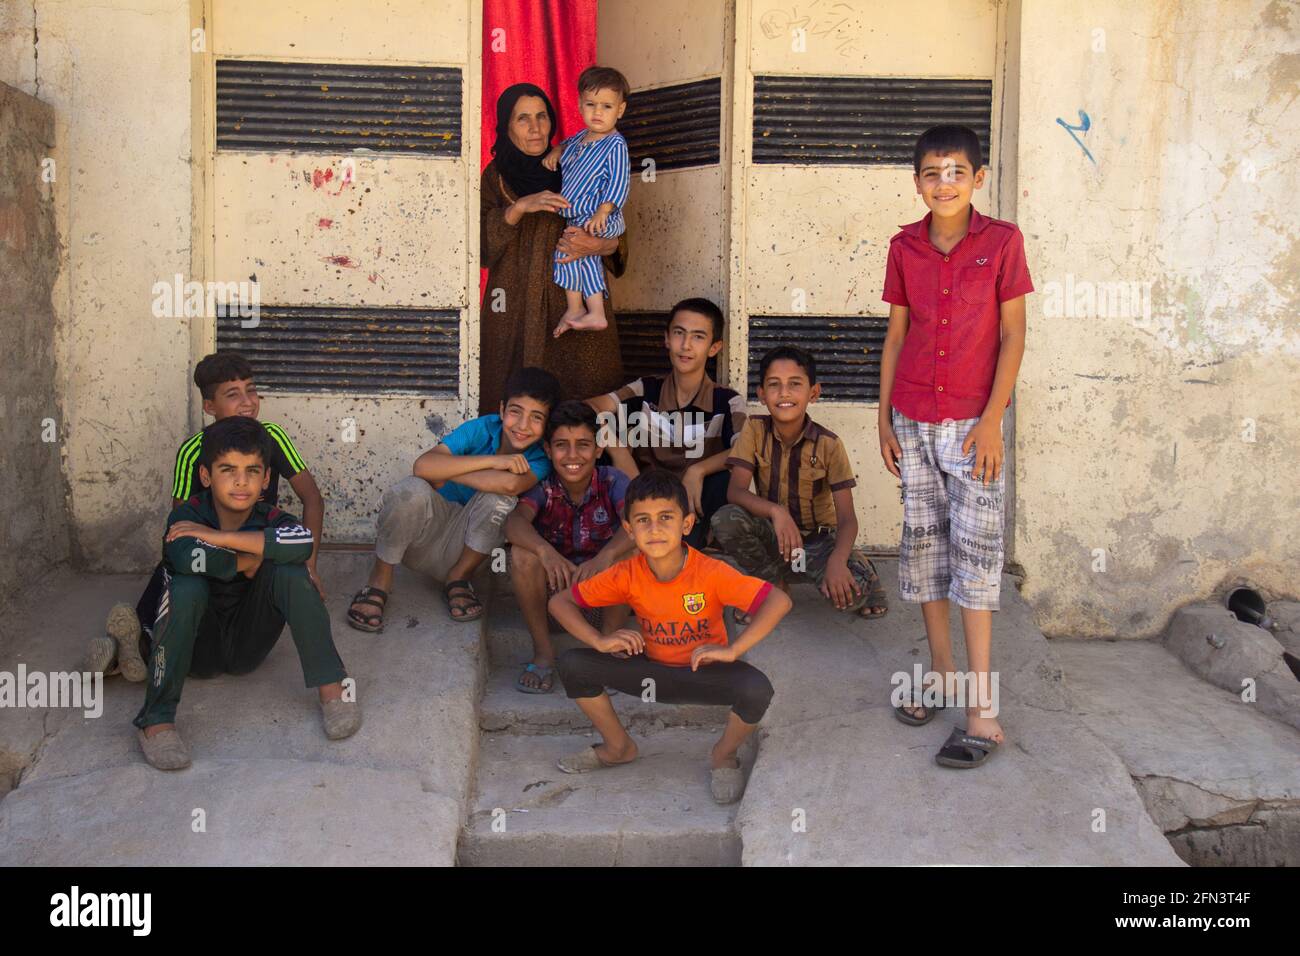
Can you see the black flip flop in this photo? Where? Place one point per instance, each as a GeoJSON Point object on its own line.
{"type": "Point", "coordinates": [964, 751]}
{"type": "Point", "coordinates": [913, 721]}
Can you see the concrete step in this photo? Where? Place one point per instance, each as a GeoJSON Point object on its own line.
{"type": "Point", "coordinates": [506, 709]}
{"type": "Point", "coordinates": [840, 781]}
{"type": "Point", "coordinates": [656, 811]}
{"type": "Point", "coordinates": [1217, 774]}
{"type": "Point", "coordinates": [273, 789]}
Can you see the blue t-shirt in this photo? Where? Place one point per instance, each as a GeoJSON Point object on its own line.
{"type": "Point", "coordinates": [482, 436]}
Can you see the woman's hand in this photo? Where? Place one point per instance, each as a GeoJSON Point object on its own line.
{"type": "Point", "coordinates": [576, 243]}
{"type": "Point", "coordinates": [544, 201]}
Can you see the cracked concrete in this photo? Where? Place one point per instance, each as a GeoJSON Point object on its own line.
{"type": "Point", "coordinates": [271, 787]}
{"type": "Point", "coordinates": [1220, 776]}
{"type": "Point", "coordinates": [840, 781]}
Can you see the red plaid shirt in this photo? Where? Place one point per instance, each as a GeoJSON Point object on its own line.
{"type": "Point", "coordinates": [954, 332]}
{"type": "Point", "coordinates": [578, 531]}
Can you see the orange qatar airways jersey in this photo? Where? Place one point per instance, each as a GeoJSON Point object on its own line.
{"type": "Point", "coordinates": [679, 615]}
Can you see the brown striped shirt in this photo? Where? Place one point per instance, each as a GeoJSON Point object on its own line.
{"type": "Point", "coordinates": [803, 476]}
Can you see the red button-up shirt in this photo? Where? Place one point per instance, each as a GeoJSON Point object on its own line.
{"type": "Point", "coordinates": [954, 333]}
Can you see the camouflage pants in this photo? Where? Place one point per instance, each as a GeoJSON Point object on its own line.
{"type": "Point", "coordinates": [750, 541]}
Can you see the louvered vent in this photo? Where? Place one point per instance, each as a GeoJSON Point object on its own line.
{"type": "Point", "coordinates": [846, 348]}
{"type": "Point", "coordinates": [676, 126]}
{"type": "Point", "coordinates": [860, 121]}
{"type": "Point", "coordinates": [353, 351]}
{"type": "Point", "coordinates": [337, 107]}
{"type": "Point", "coordinates": [641, 342]}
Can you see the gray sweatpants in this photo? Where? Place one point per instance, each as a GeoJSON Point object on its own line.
{"type": "Point", "coordinates": [421, 529]}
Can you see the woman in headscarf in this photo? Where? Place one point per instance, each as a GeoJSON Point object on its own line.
{"type": "Point", "coordinates": [521, 229]}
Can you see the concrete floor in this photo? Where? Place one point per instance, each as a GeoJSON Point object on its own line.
{"type": "Point", "coordinates": [447, 741]}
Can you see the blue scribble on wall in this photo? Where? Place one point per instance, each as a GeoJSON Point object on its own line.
{"type": "Point", "coordinates": [1085, 124]}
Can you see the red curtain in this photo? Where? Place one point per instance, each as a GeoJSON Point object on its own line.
{"type": "Point", "coordinates": [546, 42]}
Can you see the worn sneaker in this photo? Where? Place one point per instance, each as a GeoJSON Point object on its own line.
{"type": "Point", "coordinates": [124, 627]}
{"type": "Point", "coordinates": [342, 718]}
{"type": "Point", "coordinates": [102, 656]}
{"type": "Point", "coordinates": [726, 784]}
{"type": "Point", "coordinates": [165, 750]}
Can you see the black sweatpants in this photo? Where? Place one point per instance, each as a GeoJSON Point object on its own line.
{"type": "Point", "coordinates": [208, 627]}
{"type": "Point", "coordinates": [586, 672]}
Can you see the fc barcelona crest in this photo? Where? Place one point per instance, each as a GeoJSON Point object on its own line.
{"type": "Point", "coordinates": [694, 603]}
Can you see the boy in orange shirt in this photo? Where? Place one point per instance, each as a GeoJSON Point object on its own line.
{"type": "Point", "coordinates": [681, 646]}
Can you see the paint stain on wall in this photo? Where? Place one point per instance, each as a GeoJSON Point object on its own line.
{"type": "Point", "coordinates": [343, 262]}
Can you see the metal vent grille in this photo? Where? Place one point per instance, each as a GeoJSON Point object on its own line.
{"type": "Point", "coordinates": [332, 107]}
{"type": "Point", "coordinates": [676, 126]}
{"type": "Point", "coordinates": [349, 350]}
{"type": "Point", "coordinates": [860, 121]}
{"type": "Point", "coordinates": [846, 347]}
{"type": "Point", "coordinates": [641, 343]}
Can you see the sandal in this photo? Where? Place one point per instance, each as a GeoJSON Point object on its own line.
{"type": "Point", "coordinates": [545, 679]}
{"type": "Point", "coordinates": [964, 751]}
{"type": "Point", "coordinates": [465, 601]}
{"type": "Point", "coordinates": [877, 602]}
{"type": "Point", "coordinates": [740, 618]}
{"type": "Point", "coordinates": [370, 623]}
{"type": "Point", "coordinates": [928, 712]}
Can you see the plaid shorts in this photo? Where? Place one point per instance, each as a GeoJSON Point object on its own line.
{"type": "Point", "coordinates": [952, 543]}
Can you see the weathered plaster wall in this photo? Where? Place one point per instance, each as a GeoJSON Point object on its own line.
{"type": "Point", "coordinates": [677, 221]}
{"type": "Point", "coordinates": [33, 522]}
{"type": "Point", "coordinates": [1164, 441]}
{"type": "Point", "coordinates": [117, 77]}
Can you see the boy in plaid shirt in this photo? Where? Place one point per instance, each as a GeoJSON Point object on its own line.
{"type": "Point", "coordinates": [565, 529]}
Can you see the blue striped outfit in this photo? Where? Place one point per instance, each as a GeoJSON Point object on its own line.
{"type": "Point", "coordinates": [593, 173]}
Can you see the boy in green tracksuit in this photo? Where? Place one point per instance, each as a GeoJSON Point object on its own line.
{"type": "Point", "coordinates": [234, 574]}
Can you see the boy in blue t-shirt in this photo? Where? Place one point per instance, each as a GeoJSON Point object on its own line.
{"type": "Point", "coordinates": [446, 518]}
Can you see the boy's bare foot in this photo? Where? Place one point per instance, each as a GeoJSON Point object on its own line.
{"type": "Point", "coordinates": [163, 747]}
{"type": "Point", "coordinates": [984, 727]}
{"type": "Point", "coordinates": [537, 677]}
{"type": "Point", "coordinates": [570, 320]}
{"type": "Point", "coordinates": [589, 323]}
{"type": "Point", "coordinates": [919, 714]}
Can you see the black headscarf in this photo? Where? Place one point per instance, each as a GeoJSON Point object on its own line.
{"type": "Point", "coordinates": [524, 174]}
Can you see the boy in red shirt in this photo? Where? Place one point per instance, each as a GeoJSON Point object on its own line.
{"type": "Point", "coordinates": [956, 283]}
{"type": "Point", "coordinates": [681, 646]}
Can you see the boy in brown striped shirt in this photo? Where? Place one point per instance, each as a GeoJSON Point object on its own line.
{"type": "Point", "coordinates": [799, 520]}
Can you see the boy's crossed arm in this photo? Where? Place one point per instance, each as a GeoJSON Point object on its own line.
{"type": "Point", "coordinates": [494, 474]}
{"type": "Point", "coordinates": [195, 548]}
